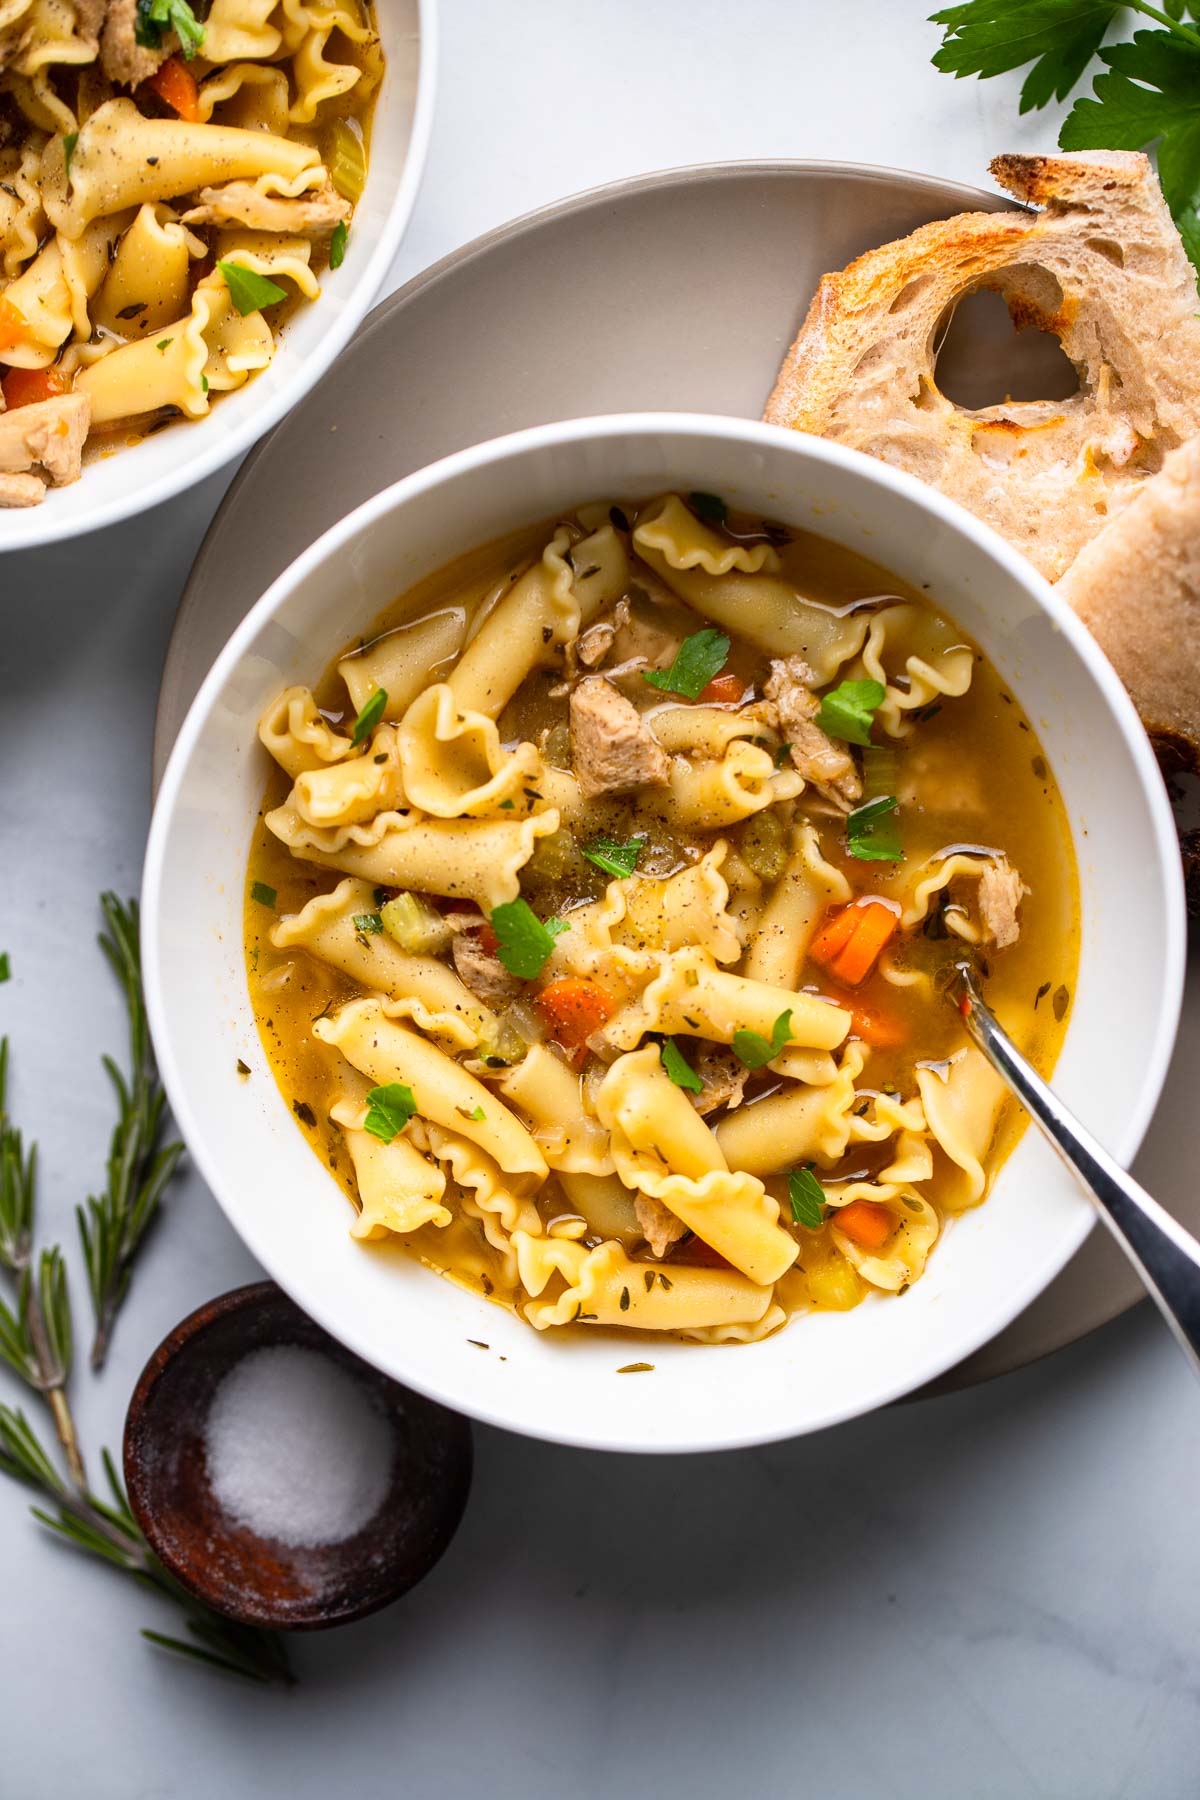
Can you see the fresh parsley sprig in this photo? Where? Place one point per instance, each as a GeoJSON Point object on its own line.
{"type": "Point", "coordinates": [1150, 93]}
{"type": "Point", "coordinates": [113, 1225]}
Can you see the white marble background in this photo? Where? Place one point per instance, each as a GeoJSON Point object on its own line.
{"type": "Point", "coordinates": [976, 1598]}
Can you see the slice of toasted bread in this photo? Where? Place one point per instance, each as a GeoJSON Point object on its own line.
{"type": "Point", "coordinates": [1102, 266]}
{"type": "Point", "coordinates": [1137, 589]}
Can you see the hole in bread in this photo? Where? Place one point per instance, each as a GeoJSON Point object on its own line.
{"type": "Point", "coordinates": [982, 360]}
{"type": "Point", "coordinates": [1107, 247]}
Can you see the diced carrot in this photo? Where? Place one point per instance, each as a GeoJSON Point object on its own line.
{"type": "Point", "coordinates": [25, 387]}
{"type": "Point", "coordinates": [880, 1029]}
{"type": "Point", "coordinates": [574, 1008]}
{"type": "Point", "coordinates": [851, 940]}
{"type": "Point", "coordinates": [14, 326]}
{"type": "Point", "coordinates": [176, 87]}
{"type": "Point", "coordinates": [864, 1223]}
{"type": "Point", "coordinates": [722, 690]}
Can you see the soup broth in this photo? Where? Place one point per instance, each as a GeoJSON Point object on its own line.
{"type": "Point", "coordinates": [598, 906]}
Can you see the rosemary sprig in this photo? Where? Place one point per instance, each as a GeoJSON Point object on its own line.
{"type": "Point", "coordinates": [113, 1226]}
{"type": "Point", "coordinates": [35, 1331]}
{"type": "Point", "coordinates": [35, 1341]}
{"type": "Point", "coordinates": [107, 1530]}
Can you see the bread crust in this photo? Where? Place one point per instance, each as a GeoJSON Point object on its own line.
{"type": "Point", "coordinates": [1137, 589]}
{"type": "Point", "coordinates": [1101, 266]}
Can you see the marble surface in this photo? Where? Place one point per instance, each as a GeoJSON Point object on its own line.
{"type": "Point", "coordinates": [982, 1596]}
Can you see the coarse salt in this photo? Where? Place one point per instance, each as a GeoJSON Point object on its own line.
{"type": "Point", "coordinates": [295, 1449]}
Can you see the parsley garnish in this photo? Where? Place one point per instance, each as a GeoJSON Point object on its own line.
{"type": "Point", "coordinates": [697, 660]}
{"type": "Point", "coordinates": [266, 896]}
{"type": "Point", "coordinates": [5, 966]}
{"type": "Point", "coordinates": [337, 244]}
{"type": "Point", "coordinates": [369, 717]}
{"type": "Point", "coordinates": [807, 1197]}
{"type": "Point", "coordinates": [69, 143]}
{"type": "Point", "coordinates": [1148, 91]}
{"type": "Point", "coordinates": [847, 710]}
{"type": "Point", "coordinates": [709, 507]}
{"type": "Point", "coordinates": [164, 343]}
{"type": "Point", "coordinates": [614, 857]}
{"type": "Point", "coordinates": [678, 1067]}
{"type": "Point", "coordinates": [871, 835]}
{"type": "Point", "coordinates": [751, 1048]}
{"type": "Point", "coordinates": [478, 1113]}
{"type": "Point", "coordinates": [371, 922]}
{"type": "Point", "coordinates": [154, 17]}
{"type": "Point", "coordinates": [388, 1110]}
{"type": "Point", "coordinates": [523, 942]}
{"type": "Point", "coordinates": [248, 291]}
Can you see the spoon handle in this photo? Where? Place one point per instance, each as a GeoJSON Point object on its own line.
{"type": "Point", "coordinates": [1165, 1255]}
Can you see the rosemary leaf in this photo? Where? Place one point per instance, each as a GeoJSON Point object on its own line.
{"type": "Point", "coordinates": [113, 1225]}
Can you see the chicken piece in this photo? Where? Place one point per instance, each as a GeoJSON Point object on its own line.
{"type": "Point", "coordinates": [614, 750]}
{"type": "Point", "coordinates": [483, 972]}
{"type": "Point", "coordinates": [22, 490]}
{"type": "Point", "coordinates": [724, 1079]}
{"type": "Point", "coordinates": [239, 203]}
{"type": "Point", "coordinates": [641, 642]}
{"type": "Point", "coordinates": [50, 432]}
{"type": "Point", "coordinates": [1000, 892]}
{"type": "Point", "coordinates": [122, 58]}
{"type": "Point", "coordinates": [827, 765]}
{"type": "Point", "coordinates": [593, 645]}
{"type": "Point", "coordinates": [89, 17]}
{"type": "Point", "coordinates": [659, 1225]}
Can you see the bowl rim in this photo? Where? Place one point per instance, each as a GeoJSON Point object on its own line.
{"type": "Point", "coordinates": [223, 447]}
{"type": "Point", "coordinates": [870, 472]}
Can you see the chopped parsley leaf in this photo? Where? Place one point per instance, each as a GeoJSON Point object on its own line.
{"type": "Point", "coordinates": [266, 896]}
{"type": "Point", "coordinates": [871, 835]}
{"type": "Point", "coordinates": [523, 942]}
{"type": "Point", "coordinates": [847, 710]}
{"type": "Point", "coordinates": [751, 1048]}
{"type": "Point", "coordinates": [5, 967]}
{"type": "Point", "coordinates": [807, 1197]}
{"type": "Point", "coordinates": [337, 244]}
{"type": "Point", "coordinates": [697, 660]}
{"type": "Point", "coordinates": [248, 291]}
{"type": "Point", "coordinates": [154, 18]}
{"type": "Point", "coordinates": [679, 1069]}
{"type": "Point", "coordinates": [371, 922]}
{"type": "Point", "coordinates": [614, 857]}
{"type": "Point", "coordinates": [369, 717]}
{"type": "Point", "coordinates": [388, 1110]}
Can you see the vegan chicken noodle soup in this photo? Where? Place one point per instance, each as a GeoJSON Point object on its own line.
{"type": "Point", "coordinates": [597, 909]}
{"type": "Point", "coordinates": [173, 179]}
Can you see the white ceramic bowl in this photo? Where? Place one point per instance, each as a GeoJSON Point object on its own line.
{"type": "Point", "coordinates": [131, 480]}
{"type": "Point", "coordinates": [407, 1320]}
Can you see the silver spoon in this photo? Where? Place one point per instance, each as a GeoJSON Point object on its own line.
{"type": "Point", "coordinates": [1165, 1255]}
